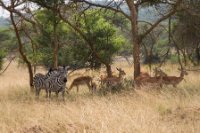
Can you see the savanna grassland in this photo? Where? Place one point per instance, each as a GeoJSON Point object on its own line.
{"type": "Point", "coordinates": [148, 110]}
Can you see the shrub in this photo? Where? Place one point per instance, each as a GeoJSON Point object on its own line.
{"type": "Point", "coordinates": [2, 55]}
{"type": "Point", "coordinates": [174, 59]}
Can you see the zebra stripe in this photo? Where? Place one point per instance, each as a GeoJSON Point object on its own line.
{"type": "Point", "coordinates": [57, 82]}
{"type": "Point", "coordinates": [39, 80]}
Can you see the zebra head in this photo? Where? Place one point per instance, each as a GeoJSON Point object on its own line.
{"type": "Point", "coordinates": [63, 73]}
{"type": "Point", "coordinates": [52, 73]}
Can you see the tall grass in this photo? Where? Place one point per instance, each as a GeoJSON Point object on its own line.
{"type": "Point", "coordinates": [168, 110]}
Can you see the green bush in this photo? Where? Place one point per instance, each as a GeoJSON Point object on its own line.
{"type": "Point", "coordinates": [174, 59]}
{"type": "Point", "coordinates": [2, 55]}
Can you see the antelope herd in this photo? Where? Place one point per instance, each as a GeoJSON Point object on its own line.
{"type": "Point", "coordinates": [159, 79]}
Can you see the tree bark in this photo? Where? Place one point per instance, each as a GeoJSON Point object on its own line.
{"type": "Point", "coordinates": [55, 44]}
{"type": "Point", "coordinates": [198, 55]}
{"type": "Point", "coordinates": [55, 36]}
{"type": "Point", "coordinates": [22, 52]}
{"type": "Point", "coordinates": [108, 70]}
{"type": "Point", "coordinates": [136, 38]}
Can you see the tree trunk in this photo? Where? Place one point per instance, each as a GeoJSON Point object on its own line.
{"type": "Point", "coordinates": [184, 57]}
{"type": "Point", "coordinates": [198, 55]}
{"type": "Point", "coordinates": [55, 42]}
{"type": "Point", "coordinates": [55, 51]}
{"type": "Point", "coordinates": [34, 69]}
{"type": "Point", "coordinates": [136, 38]}
{"type": "Point", "coordinates": [25, 59]}
{"type": "Point", "coordinates": [108, 70]}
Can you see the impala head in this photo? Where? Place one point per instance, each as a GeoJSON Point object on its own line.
{"type": "Point", "coordinates": [159, 71]}
{"type": "Point", "coordinates": [121, 72]}
{"type": "Point", "coordinates": [183, 71]}
{"type": "Point", "coordinates": [156, 70]}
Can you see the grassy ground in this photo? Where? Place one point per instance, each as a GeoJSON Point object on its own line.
{"type": "Point", "coordinates": [170, 110]}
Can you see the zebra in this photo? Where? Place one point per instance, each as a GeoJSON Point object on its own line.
{"type": "Point", "coordinates": [57, 82]}
{"type": "Point", "coordinates": [39, 80]}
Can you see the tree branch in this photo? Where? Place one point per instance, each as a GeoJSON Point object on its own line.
{"type": "Point", "coordinates": [84, 37]}
{"type": "Point", "coordinates": [105, 7]}
{"type": "Point", "coordinates": [174, 10]}
{"type": "Point", "coordinates": [11, 9]}
{"type": "Point", "coordinates": [8, 65]}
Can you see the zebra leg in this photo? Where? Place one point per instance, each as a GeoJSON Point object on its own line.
{"type": "Point", "coordinates": [46, 93]}
{"type": "Point", "coordinates": [57, 93]}
{"type": "Point", "coordinates": [49, 93]}
{"type": "Point", "coordinates": [37, 91]}
{"type": "Point", "coordinates": [63, 94]}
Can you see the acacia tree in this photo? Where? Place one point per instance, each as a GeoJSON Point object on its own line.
{"type": "Point", "coordinates": [133, 7]}
{"type": "Point", "coordinates": [187, 30]}
{"type": "Point", "coordinates": [69, 11]}
{"type": "Point", "coordinates": [99, 35]}
{"type": "Point", "coordinates": [14, 14]}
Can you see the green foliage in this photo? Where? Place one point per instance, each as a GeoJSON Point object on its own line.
{"type": "Point", "coordinates": [102, 34]}
{"type": "Point", "coordinates": [155, 44]}
{"type": "Point", "coordinates": [2, 56]}
{"type": "Point", "coordinates": [48, 3]}
{"type": "Point", "coordinates": [187, 29]}
{"type": "Point", "coordinates": [122, 25]}
{"type": "Point", "coordinates": [73, 49]}
{"type": "Point", "coordinates": [44, 41]}
{"type": "Point", "coordinates": [7, 40]}
{"type": "Point", "coordinates": [7, 43]}
{"type": "Point", "coordinates": [173, 59]}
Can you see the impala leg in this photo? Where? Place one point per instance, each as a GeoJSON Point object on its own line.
{"type": "Point", "coordinates": [89, 86]}
{"type": "Point", "coordinates": [67, 90]}
{"type": "Point", "coordinates": [174, 85]}
{"type": "Point", "coordinates": [77, 88]}
{"type": "Point", "coordinates": [161, 85]}
{"type": "Point", "coordinates": [94, 88]}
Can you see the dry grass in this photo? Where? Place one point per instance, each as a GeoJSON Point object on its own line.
{"type": "Point", "coordinates": [170, 110]}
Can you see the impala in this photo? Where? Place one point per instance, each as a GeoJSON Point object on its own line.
{"type": "Point", "coordinates": [83, 80]}
{"type": "Point", "coordinates": [113, 81]}
{"type": "Point", "coordinates": [145, 79]}
{"type": "Point", "coordinates": [174, 80]}
{"type": "Point", "coordinates": [144, 74]}
{"type": "Point", "coordinates": [148, 80]}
